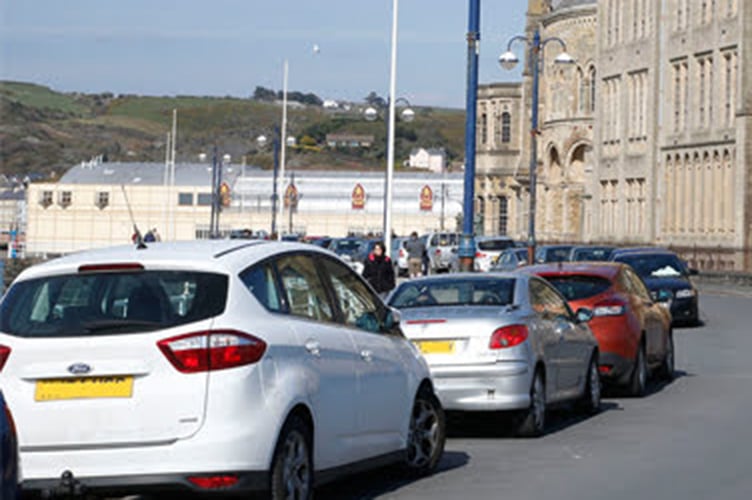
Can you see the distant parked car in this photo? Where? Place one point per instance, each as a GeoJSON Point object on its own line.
{"type": "Point", "coordinates": [439, 248]}
{"type": "Point", "coordinates": [217, 366]}
{"type": "Point", "coordinates": [399, 256]}
{"type": "Point", "coordinates": [349, 250]}
{"type": "Point", "coordinates": [664, 272]}
{"type": "Point", "coordinates": [511, 259]}
{"type": "Point", "coordinates": [552, 253]}
{"type": "Point", "coordinates": [590, 253]}
{"type": "Point", "coordinates": [503, 341]}
{"type": "Point", "coordinates": [633, 330]}
{"type": "Point", "coordinates": [8, 445]}
{"type": "Point", "coordinates": [488, 249]}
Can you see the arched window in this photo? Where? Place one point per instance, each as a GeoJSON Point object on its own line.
{"type": "Point", "coordinates": [506, 127]}
{"type": "Point", "coordinates": [591, 78]}
{"type": "Point", "coordinates": [582, 96]}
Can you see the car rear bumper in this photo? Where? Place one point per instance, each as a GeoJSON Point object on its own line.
{"type": "Point", "coordinates": [488, 387]}
{"type": "Point", "coordinates": [614, 369]}
{"type": "Point", "coordinates": [147, 483]}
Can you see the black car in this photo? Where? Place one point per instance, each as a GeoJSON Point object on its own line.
{"type": "Point", "coordinates": [552, 253]}
{"type": "Point", "coordinates": [590, 253]}
{"type": "Point", "coordinates": [8, 451]}
{"type": "Point", "coordinates": [665, 274]}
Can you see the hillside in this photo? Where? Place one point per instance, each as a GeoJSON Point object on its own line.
{"type": "Point", "coordinates": [45, 132]}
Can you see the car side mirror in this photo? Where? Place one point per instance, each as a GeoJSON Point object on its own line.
{"type": "Point", "coordinates": [583, 315]}
{"type": "Point", "coordinates": [392, 319]}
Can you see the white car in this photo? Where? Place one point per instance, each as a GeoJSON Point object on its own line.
{"type": "Point", "coordinates": [216, 366]}
{"type": "Point", "coordinates": [488, 249]}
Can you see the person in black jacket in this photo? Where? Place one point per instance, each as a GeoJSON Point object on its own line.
{"type": "Point", "coordinates": [378, 270]}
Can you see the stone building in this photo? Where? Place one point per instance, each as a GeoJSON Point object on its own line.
{"type": "Point", "coordinates": [648, 138]}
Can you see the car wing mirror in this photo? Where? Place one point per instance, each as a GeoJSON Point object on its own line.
{"type": "Point", "coordinates": [583, 315]}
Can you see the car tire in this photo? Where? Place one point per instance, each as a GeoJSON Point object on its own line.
{"type": "Point", "coordinates": [666, 371]}
{"type": "Point", "coordinates": [590, 403]}
{"type": "Point", "coordinates": [639, 380]}
{"type": "Point", "coordinates": [533, 423]}
{"type": "Point", "coordinates": [427, 434]}
{"type": "Point", "coordinates": [292, 465]}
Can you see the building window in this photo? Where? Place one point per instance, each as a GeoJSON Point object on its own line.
{"type": "Point", "coordinates": [64, 198]}
{"type": "Point", "coordinates": [483, 128]}
{"type": "Point", "coordinates": [204, 199]}
{"type": "Point", "coordinates": [45, 198]}
{"type": "Point", "coordinates": [506, 127]}
{"type": "Point", "coordinates": [102, 199]}
{"type": "Point", "coordinates": [185, 199]}
{"type": "Point", "coordinates": [591, 73]}
{"type": "Point", "coordinates": [503, 215]}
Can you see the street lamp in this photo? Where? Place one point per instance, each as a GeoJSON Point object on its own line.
{"type": "Point", "coordinates": [508, 61]}
{"type": "Point", "coordinates": [407, 115]}
{"type": "Point", "coordinates": [262, 141]}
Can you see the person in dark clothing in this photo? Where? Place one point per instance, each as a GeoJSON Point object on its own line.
{"type": "Point", "coordinates": [378, 270]}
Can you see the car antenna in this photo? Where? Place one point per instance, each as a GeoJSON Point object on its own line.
{"type": "Point", "coordinates": [140, 245]}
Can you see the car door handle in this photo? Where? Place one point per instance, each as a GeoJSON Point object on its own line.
{"type": "Point", "coordinates": [313, 347]}
{"type": "Point", "coordinates": [366, 355]}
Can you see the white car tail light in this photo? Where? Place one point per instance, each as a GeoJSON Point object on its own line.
{"type": "Point", "coordinates": [212, 350]}
{"type": "Point", "coordinates": [4, 353]}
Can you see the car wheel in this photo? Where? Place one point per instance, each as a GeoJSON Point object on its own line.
{"type": "Point", "coordinates": [533, 422]}
{"type": "Point", "coordinates": [591, 398]}
{"type": "Point", "coordinates": [427, 434]}
{"type": "Point", "coordinates": [667, 367]}
{"type": "Point", "coordinates": [639, 380]}
{"type": "Point", "coordinates": [292, 467]}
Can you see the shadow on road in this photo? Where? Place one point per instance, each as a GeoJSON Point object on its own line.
{"type": "Point", "coordinates": [494, 425]}
{"type": "Point", "coordinates": [385, 480]}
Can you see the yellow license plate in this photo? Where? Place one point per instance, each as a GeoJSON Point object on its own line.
{"type": "Point", "coordinates": [436, 346]}
{"type": "Point", "coordinates": [119, 386]}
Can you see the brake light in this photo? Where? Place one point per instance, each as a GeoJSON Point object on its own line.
{"type": "Point", "coordinates": [609, 308]}
{"type": "Point", "coordinates": [4, 353]}
{"type": "Point", "coordinates": [605, 369]}
{"type": "Point", "coordinates": [438, 251]}
{"type": "Point", "coordinates": [113, 267]}
{"type": "Point", "coordinates": [508, 336]}
{"type": "Point", "coordinates": [212, 350]}
{"type": "Point", "coordinates": [214, 482]}
{"type": "Point", "coordinates": [480, 255]}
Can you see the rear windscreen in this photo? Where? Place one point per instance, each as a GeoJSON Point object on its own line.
{"type": "Point", "coordinates": [90, 304]}
{"type": "Point", "coordinates": [579, 287]}
{"type": "Point", "coordinates": [455, 292]}
{"type": "Point", "coordinates": [495, 244]}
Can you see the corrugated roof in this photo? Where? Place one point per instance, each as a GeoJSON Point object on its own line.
{"type": "Point", "coordinates": [149, 174]}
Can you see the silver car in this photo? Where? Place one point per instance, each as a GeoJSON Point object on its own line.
{"type": "Point", "coordinates": [501, 342]}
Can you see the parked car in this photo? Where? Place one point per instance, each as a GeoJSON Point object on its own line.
{"type": "Point", "coordinates": [488, 250]}
{"type": "Point", "coordinates": [633, 331]}
{"type": "Point", "coordinates": [590, 253]}
{"type": "Point", "coordinates": [501, 342]}
{"type": "Point", "coordinates": [439, 248]}
{"type": "Point", "coordinates": [217, 366]}
{"type": "Point", "coordinates": [665, 273]}
{"type": "Point", "coordinates": [511, 259]}
{"type": "Point", "coordinates": [552, 253]}
{"type": "Point", "coordinates": [348, 249]}
{"type": "Point", "coordinates": [399, 256]}
{"type": "Point", "coordinates": [8, 446]}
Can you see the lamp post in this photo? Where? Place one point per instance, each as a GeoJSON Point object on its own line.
{"type": "Point", "coordinates": [261, 141]}
{"type": "Point", "coordinates": [508, 61]}
{"type": "Point", "coordinates": [466, 250]}
{"type": "Point", "coordinates": [215, 199]}
{"type": "Point", "coordinates": [406, 115]}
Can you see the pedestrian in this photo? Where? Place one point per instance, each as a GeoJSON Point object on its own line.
{"type": "Point", "coordinates": [378, 270]}
{"type": "Point", "coordinates": [149, 237]}
{"type": "Point", "coordinates": [415, 250]}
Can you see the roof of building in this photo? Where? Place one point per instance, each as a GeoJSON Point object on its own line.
{"type": "Point", "coordinates": [430, 151]}
{"type": "Point", "coordinates": [566, 4]}
{"type": "Point", "coordinates": [10, 194]}
{"type": "Point", "coordinates": [149, 174]}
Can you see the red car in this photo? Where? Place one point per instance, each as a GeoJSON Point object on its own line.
{"type": "Point", "coordinates": [633, 331]}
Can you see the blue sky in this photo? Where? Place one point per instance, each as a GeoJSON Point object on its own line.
{"type": "Point", "coordinates": [228, 47]}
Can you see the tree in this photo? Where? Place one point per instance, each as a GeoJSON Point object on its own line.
{"type": "Point", "coordinates": [374, 99]}
{"type": "Point", "coordinates": [264, 94]}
